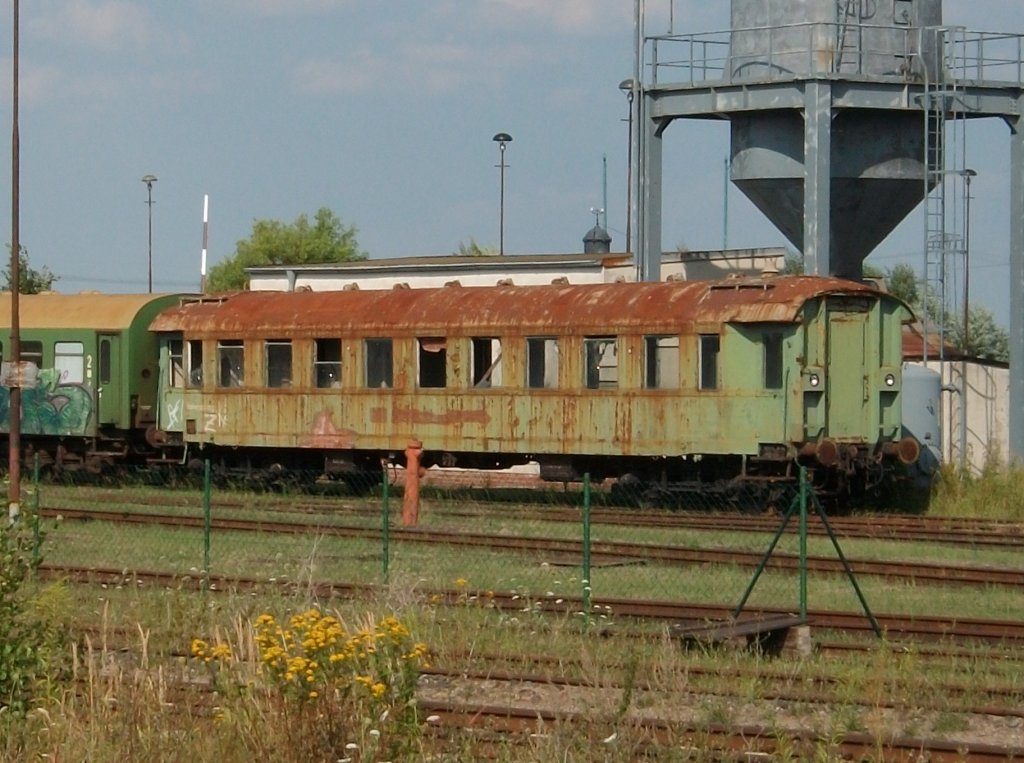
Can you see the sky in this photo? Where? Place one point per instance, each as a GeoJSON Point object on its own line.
{"type": "Point", "coordinates": [384, 113]}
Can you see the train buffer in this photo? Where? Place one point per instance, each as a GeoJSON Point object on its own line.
{"type": "Point", "coordinates": [769, 633]}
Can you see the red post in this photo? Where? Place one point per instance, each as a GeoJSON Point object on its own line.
{"type": "Point", "coordinates": [413, 472]}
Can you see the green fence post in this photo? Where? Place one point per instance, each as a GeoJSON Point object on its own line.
{"type": "Point", "coordinates": [36, 542]}
{"type": "Point", "coordinates": [206, 525]}
{"type": "Point", "coordinates": [385, 527]}
{"type": "Point", "coordinates": [586, 546]}
{"type": "Point", "coordinates": [803, 542]}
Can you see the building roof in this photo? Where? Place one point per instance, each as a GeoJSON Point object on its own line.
{"type": "Point", "coordinates": [452, 262]}
{"type": "Point", "coordinates": [87, 310]}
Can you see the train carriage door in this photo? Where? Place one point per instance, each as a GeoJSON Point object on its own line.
{"type": "Point", "coordinates": [108, 379]}
{"type": "Point", "coordinates": [847, 399]}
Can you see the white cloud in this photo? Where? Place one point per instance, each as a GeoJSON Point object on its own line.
{"type": "Point", "coordinates": [576, 17]}
{"type": "Point", "coordinates": [435, 67]}
{"type": "Point", "coordinates": [106, 25]}
{"type": "Point", "coordinates": [286, 7]}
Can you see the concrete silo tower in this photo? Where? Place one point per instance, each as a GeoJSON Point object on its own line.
{"type": "Point", "coordinates": [840, 113]}
{"type": "Point", "coordinates": [870, 162]}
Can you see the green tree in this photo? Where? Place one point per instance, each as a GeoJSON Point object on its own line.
{"type": "Point", "coordinates": [793, 265]}
{"type": "Point", "coordinates": [985, 338]}
{"type": "Point", "coordinates": [473, 249]}
{"type": "Point", "coordinates": [324, 240]}
{"type": "Point", "coordinates": [32, 281]}
{"type": "Point", "coordinates": [902, 282]}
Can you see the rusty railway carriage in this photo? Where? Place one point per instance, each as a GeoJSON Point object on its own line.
{"type": "Point", "coordinates": [714, 385]}
{"type": "Point", "coordinates": [89, 380]}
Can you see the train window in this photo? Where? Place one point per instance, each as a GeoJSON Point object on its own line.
{"type": "Point", "coordinates": [486, 361]}
{"type": "Point", "coordinates": [433, 353]}
{"type": "Point", "coordinates": [231, 362]}
{"type": "Point", "coordinates": [195, 363]}
{"type": "Point", "coordinates": [69, 362]}
{"type": "Point", "coordinates": [327, 363]}
{"type": "Point", "coordinates": [105, 362]}
{"type": "Point", "coordinates": [541, 363]}
{"type": "Point", "coordinates": [661, 360]}
{"type": "Point", "coordinates": [379, 363]}
{"type": "Point", "coordinates": [773, 361]}
{"type": "Point", "coordinates": [279, 362]}
{"type": "Point", "coordinates": [709, 349]}
{"type": "Point", "coordinates": [32, 352]}
{"type": "Point", "coordinates": [176, 363]}
{"type": "Point", "coordinates": [600, 362]}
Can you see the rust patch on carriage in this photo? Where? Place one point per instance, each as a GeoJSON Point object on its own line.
{"type": "Point", "coordinates": [325, 434]}
{"type": "Point", "coordinates": [409, 415]}
{"type": "Point", "coordinates": [664, 306]}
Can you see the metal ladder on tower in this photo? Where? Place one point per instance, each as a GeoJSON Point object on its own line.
{"type": "Point", "coordinates": [945, 180]}
{"type": "Point", "coordinates": [848, 48]}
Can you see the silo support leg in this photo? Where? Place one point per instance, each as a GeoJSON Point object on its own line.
{"type": "Point", "coordinates": [1016, 407]}
{"type": "Point", "coordinates": [817, 178]}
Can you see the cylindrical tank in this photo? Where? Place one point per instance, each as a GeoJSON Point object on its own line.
{"type": "Point", "coordinates": [880, 38]}
{"type": "Point", "coordinates": [922, 392]}
{"type": "Point", "coordinates": [877, 160]}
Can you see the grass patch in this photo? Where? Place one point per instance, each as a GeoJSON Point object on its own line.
{"type": "Point", "coordinates": [997, 493]}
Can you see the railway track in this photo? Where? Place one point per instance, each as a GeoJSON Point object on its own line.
{"type": "Point", "coordinates": [735, 742]}
{"type": "Point", "coordinates": [571, 551]}
{"type": "Point", "coordinates": [896, 627]}
{"type": "Point", "coordinates": [722, 680]}
{"type": "Point", "coordinates": [918, 529]}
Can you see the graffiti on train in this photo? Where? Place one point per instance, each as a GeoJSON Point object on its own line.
{"type": "Point", "coordinates": [49, 406]}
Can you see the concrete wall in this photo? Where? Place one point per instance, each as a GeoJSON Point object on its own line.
{"type": "Point", "coordinates": [434, 272]}
{"type": "Point", "coordinates": [987, 414]}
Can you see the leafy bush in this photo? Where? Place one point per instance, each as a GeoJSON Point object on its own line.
{"type": "Point", "coordinates": [32, 642]}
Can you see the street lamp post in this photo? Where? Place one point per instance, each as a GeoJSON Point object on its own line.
{"type": "Point", "coordinates": [628, 86]}
{"type": "Point", "coordinates": [502, 139]}
{"type": "Point", "coordinates": [14, 381]}
{"type": "Point", "coordinates": [149, 180]}
{"type": "Point", "coordinates": [968, 174]}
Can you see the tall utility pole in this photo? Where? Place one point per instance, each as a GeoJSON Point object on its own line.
{"type": "Point", "coordinates": [14, 377]}
{"type": "Point", "coordinates": [628, 86]}
{"type": "Point", "coordinates": [149, 180]}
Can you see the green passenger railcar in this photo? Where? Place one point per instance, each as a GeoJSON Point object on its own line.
{"type": "Point", "coordinates": [709, 383]}
{"type": "Point", "coordinates": [88, 375]}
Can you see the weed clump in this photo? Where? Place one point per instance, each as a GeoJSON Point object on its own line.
{"type": "Point", "coordinates": [326, 688]}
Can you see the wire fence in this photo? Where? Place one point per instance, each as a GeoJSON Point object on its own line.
{"type": "Point", "coordinates": [589, 545]}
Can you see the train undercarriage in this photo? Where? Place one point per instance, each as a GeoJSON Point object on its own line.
{"type": "Point", "coordinates": [841, 473]}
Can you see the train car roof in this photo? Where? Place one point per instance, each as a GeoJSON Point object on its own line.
{"type": "Point", "coordinates": [86, 310]}
{"type": "Point", "coordinates": [585, 308]}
